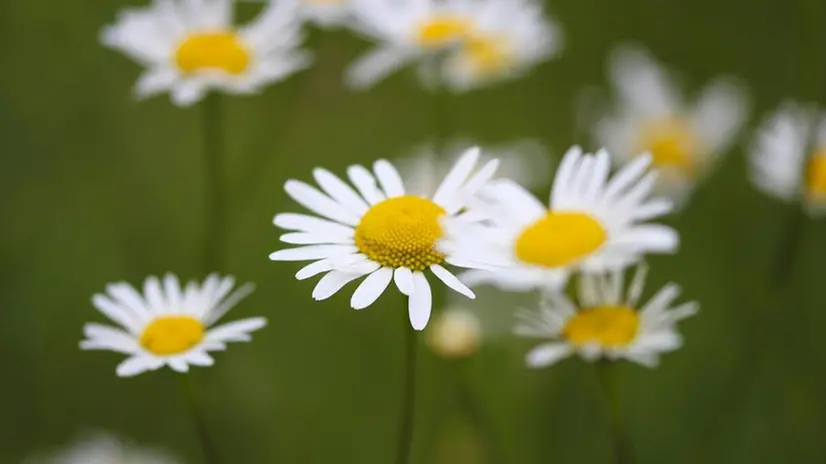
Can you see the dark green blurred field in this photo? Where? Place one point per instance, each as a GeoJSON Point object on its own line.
{"type": "Point", "coordinates": [96, 187]}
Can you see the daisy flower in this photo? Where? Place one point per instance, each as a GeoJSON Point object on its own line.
{"type": "Point", "coordinates": [192, 46]}
{"type": "Point", "coordinates": [378, 231]}
{"type": "Point", "coordinates": [604, 324]}
{"type": "Point", "coordinates": [455, 333]}
{"type": "Point", "coordinates": [784, 165]}
{"type": "Point", "coordinates": [508, 38]}
{"type": "Point", "coordinates": [651, 116]}
{"type": "Point", "coordinates": [105, 449]}
{"type": "Point", "coordinates": [326, 13]}
{"type": "Point", "coordinates": [594, 223]}
{"type": "Point", "coordinates": [168, 325]}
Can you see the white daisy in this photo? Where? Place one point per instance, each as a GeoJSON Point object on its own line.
{"type": "Point", "coordinates": [455, 333]}
{"type": "Point", "coordinates": [380, 232]}
{"type": "Point", "coordinates": [509, 37]}
{"type": "Point", "coordinates": [650, 116]}
{"type": "Point", "coordinates": [594, 224]}
{"type": "Point", "coordinates": [167, 325]}
{"type": "Point", "coordinates": [525, 162]}
{"type": "Point", "coordinates": [326, 13]}
{"type": "Point", "coordinates": [603, 324]}
{"type": "Point", "coordinates": [105, 449]}
{"type": "Point", "coordinates": [407, 31]}
{"type": "Point", "coordinates": [192, 46]}
{"type": "Point", "coordinates": [785, 164]}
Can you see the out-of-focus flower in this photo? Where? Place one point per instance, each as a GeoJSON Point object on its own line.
{"type": "Point", "coordinates": [651, 116]}
{"type": "Point", "coordinates": [604, 324]}
{"type": "Point", "coordinates": [167, 325]}
{"type": "Point", "coordinates": [788, 160]}
{"type": "Point", "coordinates": [105, 449]}
{"type": "Point", "coordinates": [461, 43]}
{"type": "Point", "coordinates": [327, 13]}
{"type": "Point", "coordinates": [381, 232]}
{"type": "Point", "coordinates": [191, 47]}
{"type": "Point", "coordinates": [525, 162]}
{"type": "Point", "coordinates": [456, 333]}
{"type": "Point", "coordinates": [594, 224]}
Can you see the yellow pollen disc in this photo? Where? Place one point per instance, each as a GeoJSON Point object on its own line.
{"type": "Point", "coordinates": [401, 232]}
{"type": "Point", "coordinates": [223, 51]}
{"type": "Point", "coordinates": [671, 143]}
{"type": "Point", "coordinates": [443, 30]}
{"type": "Point", "coordinates": [170, 335]}
{"type": "Point", "coordinates": [608, 326]}
{"type": "Point", "coordinates": [489, 55]}
{"type": "Point", "coordinates": [816, 175]}
{"type": "Point", "coordinates": [559, 239]}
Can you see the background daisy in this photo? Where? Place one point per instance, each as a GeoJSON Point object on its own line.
{"type": "Point", "coordinates": [168, 325]}
{"type": "Point", "coordinates": [102, 448]}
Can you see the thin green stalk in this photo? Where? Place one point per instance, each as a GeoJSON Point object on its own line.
{"type": "Point", "coordinates": [623, 446]}
{"type": "Point", "coordinates": [409, 394]}
{"type": "Point", "coordinates": [190, 393]}
{"type": "Point", "coordinates": [475, 412]}
{"type": "Point", "coordinates": [215, 185]}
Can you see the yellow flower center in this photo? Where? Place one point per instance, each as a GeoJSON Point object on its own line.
{"type": "Point", "coordinates": [559, 239]}
{"type": "Point", "coordinates": [224, 51]}
{"type": "Point", "coordinates": [443, 30]}
{"type": "Point", "coordinates": [671, 143]}
{"type": "Point", "coordinates": [170, 335]}
{"type": "Point", "coordinates": [489, 55]}
{"type": "Point", "coordinates": [401, 232]}
{"type": "Point", "coordinates": [816, 175]}
{"type": "Point", "coordinates": [608, 326]}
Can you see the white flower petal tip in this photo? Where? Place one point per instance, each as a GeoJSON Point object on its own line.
{"type": "Point", "coordinates": [605, 321]}
{"type": "Point", "coordinates": [168, 324]}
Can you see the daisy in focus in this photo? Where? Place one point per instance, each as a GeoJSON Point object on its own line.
{"type": "Point", "coordinates": [105, 449]}
{"type": "Point", "coordinates": [788, 160]}
{"type": "Point", "coordinates": [594, 224]}
{"type": "Point", "coordinates": [378, 230]}
{"type": "Point", "coordinates": [192, 47]}
{"type": "Point", "coordinates": [168, 325]}
{"type": "Point", "coordinates": [605, 324]}
{"type": "Point", "coordinates": [650, 116]}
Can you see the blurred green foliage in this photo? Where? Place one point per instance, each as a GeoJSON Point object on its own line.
{"type": "Point", "coordinates": [96, 187]}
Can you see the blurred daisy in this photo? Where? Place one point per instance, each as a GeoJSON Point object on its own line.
{"type": "Point", "coordinates": [784, 164]}
{"type": "Point", "coordinates": [650, 116]}
{"type": "Point", "coordinates": [455, 333]}
{"type": "Point", "coordinates": [381, 232]}
{"type": "Point", "coordinates": [105, 449]}
{"type": "Point", "coordinates": [604, 324]}
{"type": "Point", "coordinates": [525, 162]}
{"type": "Point", "coordinates": [594, 224]}
{"type": "Point", "coordinates": [192, 46]}
{"type": "Point", "coordinates": [326, 13]}
{"type": "Point", "coordinates": [167, 325]}
{"type": "Point", "coordinates": [508, 38]}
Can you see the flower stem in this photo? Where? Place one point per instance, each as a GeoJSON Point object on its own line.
{"type": "Point", "coordinates": [409, 396]}
{"type": "Point", "coordinates": [472, 407]}
{"type": "Point", "coordinates": [190, 393]}
{"type": "Point", "coordinates": [215, 185]}
{"type": "Point", "coordinates": [623, 446]}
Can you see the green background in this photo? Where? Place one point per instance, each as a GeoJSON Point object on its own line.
{"type": "Point", "coordinates": [96, 187]}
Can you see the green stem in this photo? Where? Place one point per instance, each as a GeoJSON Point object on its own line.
{"type": "Point", "coordinates": [215, 185]}
{"type": "Point", "coordinates": [475, 413]}
{"type": "Point", "coordinates": [409, 395]}
{"type": "Point", "coordinates": [438, 120]}
{"type": "Point", "coordinates": [190, 393]}
{"type": "Point", "coordinates": [623, 446]}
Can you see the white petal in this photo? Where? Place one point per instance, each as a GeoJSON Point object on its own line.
{"type": "Point", "coordinates": [313, 269]}
{"type": "Point", "coordinates": [375, 65]}
{"type": "Point", "coordinates": [305, 238]}
{"type": "Point", "coordinates": [420, 302]}
{"type": "Point", "coordinates": [627, 175]}
{"type": "Point", "coordinates": [389, 178]}
{"type": "Point", "coordinates": [456, 177]}
{"type": "Point", "coordinates": [452, 281]}
{"type": "Point", "coordinates": [172, 289]}
{"type": "Point", "coordinates": [661, 300]}
{"type": "Point", "coordinates": [332, 282]}
{"type": "Point", "coordinates": [312, 252]}
{"type": "Point", "coordinates": [403, 277]}
{"type": "Point", "coordinates": [219, 308]}
{"type": "Point", "coordinates": [317, 202]}
{"type": "Point", "coordinates": [547, 354]}
{"type": "Point", "coordinates": [155, 302]}
{"type": "Point", "coordinates": [188, 92]}
{"type": "Point", "coordinates": [155, 81]}
{"type": "Point", "coordinates": [137, 364]}
{"type": "Point", "coordinates": [365, 183]}
{"type": "Point", "coordinates": [119, 314]}
{"type": "Point", "coordinates": [235, 331]}
{"type": "Point", "coordinates": [178, 364]}
{"type": "Point", "coordinates": [562, 179]}
{"type": "Point", "coordinates": [101, 337]}
{"type": "Point", "coordinates": [199, 358]}
{"type": "Point", "coordinates": [305, 223]}
{"type": "Point", "coordinates": [340, 191]}
{"type": "Point", "coordinates": [371, 288]}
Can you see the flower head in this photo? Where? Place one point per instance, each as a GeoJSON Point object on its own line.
{"type": "Point", "coordinates": [650, 116]}
{"type": "Point", "coordinates": [605, 324]}
{"type": "Point", "coordinates": [593, 224]}
{"type": "Point", "coordinates": [191, 47]}
{"type": "Point", "coordinates": [105, 449]}
{"type": "Point", "coordinates": [788, 161]}
{"type": "Point", "coordinates": [456, 333]}
{"type": "Point", "coordinates": [168, 325]}
{"type": "Point", "coordinates": [380, 231]}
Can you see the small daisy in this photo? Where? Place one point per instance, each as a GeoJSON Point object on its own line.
{"type": "Point", "coordinates": [650, 116]}
{"type": "Point", "coordinates": [455, 333]}
{"type": "Point", "coordinates": [380, 231]}
{"type": "Point", "coordinates": [167, 325]}
{"type": "Point", "coordinates": [407, 31]}
{"type": "Point", "coordinates": [192, 46]}
{"type": "Point", "coordinates": [604, 325]}
{"type": "Point", "coordinates": [785, 164]}
{"type": "Point", "coordinates": [509, 37]}
{"type": "Point", "coordinates": [593, 224]}
{"type": "Point", "coordinates": [105, 449]}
